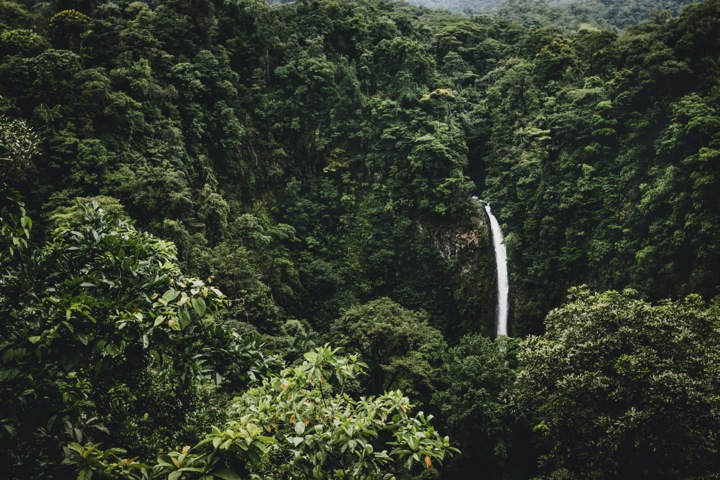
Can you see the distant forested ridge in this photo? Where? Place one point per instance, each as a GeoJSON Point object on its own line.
{"type": "Point", "coordinates": [460, 6]}
{"type": "Point", "coordinates": [196, 194]}
{"type": "Point", "coordinates": [615, 13]}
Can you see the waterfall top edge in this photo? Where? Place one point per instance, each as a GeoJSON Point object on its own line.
{"type": "Point", "coordinates": [479, 200]}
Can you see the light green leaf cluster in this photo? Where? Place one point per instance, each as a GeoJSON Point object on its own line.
{"type": "Point", "coordinates": [324, 433]}
{"type": "Point", "coordinates": [300, 424]}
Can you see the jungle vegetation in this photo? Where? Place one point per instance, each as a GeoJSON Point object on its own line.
{"type": "Point", "coordinates": [238, 240]}
{"type": "Point", "coordinates": [612, 14]}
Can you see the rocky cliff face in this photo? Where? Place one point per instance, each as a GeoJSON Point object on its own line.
{"type": "Point", "coordinates": [466, 252]}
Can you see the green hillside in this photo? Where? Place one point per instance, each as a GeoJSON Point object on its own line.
{"type": "Point", "coordinates": [202, 200]}
{"type": "Point", "coordinates": [620, 14]}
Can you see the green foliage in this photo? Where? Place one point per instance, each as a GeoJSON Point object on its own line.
{"type": "Point", "coordinates": [191, 122]}
{"type": "Point", "coordinates": [23, 42]}
{"type": "Point", "coordinates": [299, 423]}
{"type": "Point", "coordinates": [74, 214]}
{"type": "Point", "coordinates": [618, 388]}
{"type": "Point", "coordinates": [321, 432]}
{"type": "Point", "coordinates": [97, 321]}
{"type": "Point", "coordinates": [67, 28]}
{"type": "Point", "coordinates": [254, 266]}
{"type": "Point", "coordinates": [312, 158]}
{"type": "Point", "coordinates": [19, 143]}
{"type": "Point", "coordinates": [400, 348]}
{"type": "Point", "coordinates": [18, 146]}
{"type": "Point", "coordinates": [569, 13]}
{"type": "Point", "coordinates": [587, 157]}
{"type": "Point", "coordinates": [471, 397]}
{"type": "Point", "coordinates": [15, 226]}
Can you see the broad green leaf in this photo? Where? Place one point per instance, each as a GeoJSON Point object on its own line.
{"type": "Point", "coordinates": [184, 317]}
{"type": "Point", "coordinates": [85, 474]}
{"type": "Point", "coordinates": [170, 295]}
{"type": "Point", "coordinates": [199, 306]}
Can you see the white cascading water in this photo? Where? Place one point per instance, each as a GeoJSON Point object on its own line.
{"type": "Point", "coordinates": [502, 273]}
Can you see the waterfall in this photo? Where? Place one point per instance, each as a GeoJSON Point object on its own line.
{"type": "Point", "coordinates": [503, 287]}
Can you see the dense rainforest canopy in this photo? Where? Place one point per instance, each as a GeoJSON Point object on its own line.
{"type": "Point", "coordinates": [203, 200]}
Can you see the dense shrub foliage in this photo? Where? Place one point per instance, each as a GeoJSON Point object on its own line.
{"type": "Point", "coordinates": [618, 388]}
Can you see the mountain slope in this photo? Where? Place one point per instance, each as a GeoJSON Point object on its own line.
{"type": "Point", "coordinates": [618, 13]}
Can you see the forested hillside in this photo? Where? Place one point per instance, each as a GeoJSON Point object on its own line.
{"type": "Point", "coordinates": [203, 199]}
{"type": "Point", "coordinates": [611, 13]}
{"type": "Point", "coordinates": [568, 13]}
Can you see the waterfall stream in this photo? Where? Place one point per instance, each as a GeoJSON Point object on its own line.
{"type": "Point", "coordinates": [503, 288]}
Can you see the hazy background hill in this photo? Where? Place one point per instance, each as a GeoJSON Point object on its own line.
{"type": "Point", "coordinates": [539, 12]}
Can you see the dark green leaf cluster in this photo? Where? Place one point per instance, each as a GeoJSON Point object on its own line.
{"type": "Point", "coordinates": [102, 337]}
{"type": "Point", "coordinates": [401, 350]}
{"type": "Point", "coordinates": [618, 388]}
